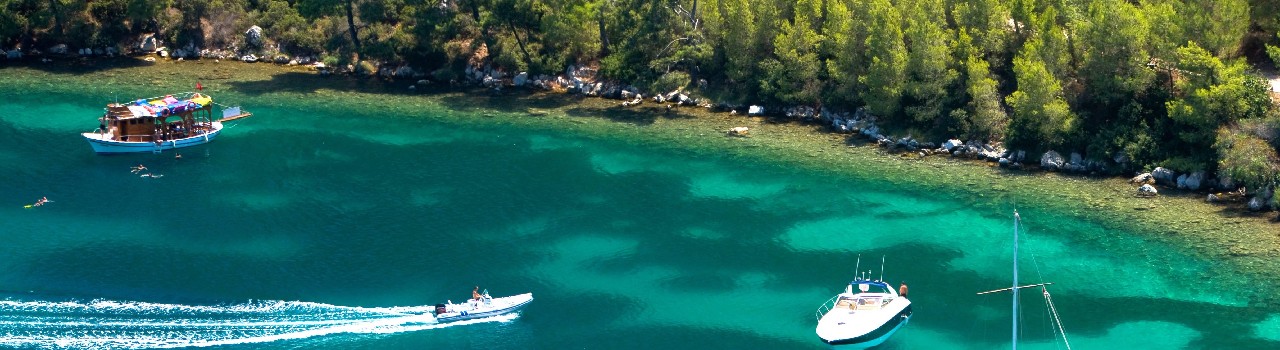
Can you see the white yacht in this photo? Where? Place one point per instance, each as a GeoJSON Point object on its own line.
{"type": "Point", "coordinates": [864, 317]}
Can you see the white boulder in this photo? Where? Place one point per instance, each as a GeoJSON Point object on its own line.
{"type": "Point", "coordinates": [253, 36]}
{"type": "Point", "coordinates": [520, 79]}
{"type": "Point", "coordinates": [951, 144]}
{"type": "Point", "coordinates": [1051, 160]}
{"type": "Point", "coordinates": [1147, 190]}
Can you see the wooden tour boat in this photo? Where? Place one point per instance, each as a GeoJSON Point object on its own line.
{"type": "Point", "coordinates": [160, 123]}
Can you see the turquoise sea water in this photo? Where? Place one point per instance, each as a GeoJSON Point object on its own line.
{"type": "Point", "coordinates": [327, 222]}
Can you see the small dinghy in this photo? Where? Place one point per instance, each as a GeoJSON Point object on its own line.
{"type": "Point", "coordinates": [483, 306]}
{"type": "Point", "coordinates": [864, 317]}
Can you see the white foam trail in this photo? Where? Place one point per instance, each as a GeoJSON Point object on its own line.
{"type": "Point", "coordinates": [109, 324]}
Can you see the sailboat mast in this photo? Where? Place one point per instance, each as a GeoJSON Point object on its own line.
{"type": "Point", "coordinates": [1016, 218]}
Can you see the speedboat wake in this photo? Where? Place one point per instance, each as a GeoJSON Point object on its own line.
{"type": "Point", "coordinates": [110, 324]}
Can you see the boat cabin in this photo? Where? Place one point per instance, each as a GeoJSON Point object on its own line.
{"type": "Point", "coordinates": [871, 295]}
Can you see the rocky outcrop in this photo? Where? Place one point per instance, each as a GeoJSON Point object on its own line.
{"type": "Point", "coordinates": [253, 37]}
{"type": "Point", "coordinates": [1143, 178]}
{"type": "Point", "coordinates": [952, 144]}
{"type": "Point", "coordinates": [520, 79]}
{"type": "Point", "coordinates": [1164, 176]}
{"type": "Point", "coordinates": [1192, 181]}
{"type": "Point", "coordinates": [1051, 161]}
{"type": "Point", "coordinates": [148, 44]}
{"type": "Point", "coordinates": [1256, 203]}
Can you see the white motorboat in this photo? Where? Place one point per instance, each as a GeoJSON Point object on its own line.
{"type": "Point", "coordinates": [484, 306]}
{"type": "Point", "coordinates": [864, 317]}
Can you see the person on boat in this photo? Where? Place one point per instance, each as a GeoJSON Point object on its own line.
{"type": "Point", "coordinates": [902, 289]}
{"type": "Point", "coordinates": [475, 294]}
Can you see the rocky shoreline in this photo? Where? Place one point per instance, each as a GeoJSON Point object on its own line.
{"type": "Point", "coordinates": [584, 81]}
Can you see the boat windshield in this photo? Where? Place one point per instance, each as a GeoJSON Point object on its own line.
{"type": "Point", "coordinates": [869, 302]}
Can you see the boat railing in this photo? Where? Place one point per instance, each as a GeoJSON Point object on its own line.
{"type": "Point", "coordinates": [822, 310]}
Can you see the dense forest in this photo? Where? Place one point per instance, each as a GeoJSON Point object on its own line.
{"type": "Point", "coordinates": [1172, 83]}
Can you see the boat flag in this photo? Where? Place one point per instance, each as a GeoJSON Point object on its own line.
{"type": "Point", "coordinates": [199, 87]}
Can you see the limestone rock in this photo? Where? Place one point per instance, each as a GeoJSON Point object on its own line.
{"type": "Point", "coordinates": [148, 44]}
{"type": "Point", "coordinates": [739, 131]}
{"type": "Point", "coordinates": [520, 79]}
{"type": "Point", "coordinates": [951, 144]}
{"type": "Point", "coordinates": [1141, 178]}
{"type": "Point", "coordinates": [1256, 203]}
{"type": "Point", "coordinates": [755, 110]}
{"type": "Point", "coordinates": [1194, 180]}
{"type": "Point", "coordinates": [253, 36]}
{"type": "Point", "coordinates": [1147, 190]}
{"type": "Point", "coordinates": [1164, 176]}
{"type": "Point", "coordinates": [1051, 161]}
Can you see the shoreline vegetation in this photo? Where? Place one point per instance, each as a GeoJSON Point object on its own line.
{"type": "Point", "coordinates": [1112, 87]}
{"type": "Point", "coordinates": [1226, 232]}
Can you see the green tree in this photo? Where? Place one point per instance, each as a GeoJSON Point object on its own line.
{"type": "Point", "coordinates": [885, 79]}
{"type": "Point", "coordinates": [1217, 25]}
{"type": "Point", "coordinates": [929, 77]}
{"type": "Point", "coordinates": [793, 76]}
{"type": "Point", "coordinates": [1213, 93]}
{"type": "Point", "coordinates": [13, 19]}
{"type": "Point", "coordinates": [987, 119]}
{"type": "Point", "coordinates": [1054, 47]}
{"type": "Point", "coordinates": [986, 21]}
{"type": "Point", "coordinates": [1274, 52]}
{"type": "Point", "coordinates": [740, 50]}
{"type": "Point", "coordinates": [572, 31]}
{"type": "Point", "coordinates": [1114, 58]}
{"type": "Point", "coordinates": [318, 8]}
{"type": "Point", "coordinates": [1246, 159]}
{"type": "Point", "coordinates": [1041, 117]}
{"type": "Point", "coordinates": [1164, 39]}
{"type": "Point", "coordinates": [845, 50]}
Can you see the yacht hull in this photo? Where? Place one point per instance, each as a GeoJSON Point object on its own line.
{"type": "Point", "coordinates": [102, 143]}
{"type": "Point", "coordinates": [499, 306]}
{"type": "Point", "coordinates": [874, 337]}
